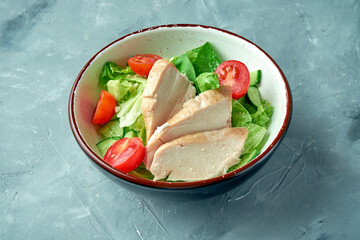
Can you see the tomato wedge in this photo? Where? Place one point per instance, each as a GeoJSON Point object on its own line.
{"type": "Point", "coordinates": [105, 108]}
{"type": "Point", "coordinates": [142, 64]}
{"type": "Point", "coordinates": [235, 74]}
{"type": "Point", "coordinates": [125, 154]}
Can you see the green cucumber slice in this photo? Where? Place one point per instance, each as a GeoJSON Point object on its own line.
{"type": "Point", "coordinates": [254, 96]}
{"type": "Point", "coordinates": [104, 145]}
{"type": "Point", "coordinates": [255, 77]}
{"type": "Point", "coordinates": [111, 129]}
{"type": "Point", "coordinates": [130, 134]}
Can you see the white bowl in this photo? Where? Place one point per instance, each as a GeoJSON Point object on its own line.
{"type": "Point", "coordinates": [168, 41]}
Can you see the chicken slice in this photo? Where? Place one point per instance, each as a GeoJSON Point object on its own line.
{"type": "Point", "coordinates": [165, 92]}
{"type": "Point", "coordinates": [199, 156]}
{"type": "Point", "coordinates": [210, 110]}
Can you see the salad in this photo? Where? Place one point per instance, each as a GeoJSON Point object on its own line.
{"type": "Point", "coordinates": [120, 118]}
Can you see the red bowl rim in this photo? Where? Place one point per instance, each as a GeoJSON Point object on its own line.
{"type": "Point", "coordinates": [176, 185]}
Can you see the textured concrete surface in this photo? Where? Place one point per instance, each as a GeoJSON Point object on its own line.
{"type": "Point", "coordinates": [308, 190]}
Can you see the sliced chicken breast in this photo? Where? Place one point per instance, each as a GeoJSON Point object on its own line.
{"type": "Point", "coordinates": [210, 110]}
{"type": "Point", "coordinates": [199, 156]}
{"type": "Point", "coordinates": [165, 92]}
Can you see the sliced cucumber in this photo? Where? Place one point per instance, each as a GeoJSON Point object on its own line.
{"type": "Point", "coordinates": [241, 100]}
{"type": "Point", "coordinates": [130, 134]}
{"type": "Point", "coordinates": [104, 145]}
{"type": "Point", "coordinates": [111, 129]}
{"type": "Point", "coordinates": [255, 77]}
{"type": "Point", "coordinates": [254, 96]}
{"type": "Point", "coordinates": [249, 108]}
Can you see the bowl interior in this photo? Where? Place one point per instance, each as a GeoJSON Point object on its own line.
{"type": "Point", "coordinates": [174, 41]}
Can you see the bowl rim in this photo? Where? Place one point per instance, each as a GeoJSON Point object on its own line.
{"type": "Point", "coordinates": [177, 185]}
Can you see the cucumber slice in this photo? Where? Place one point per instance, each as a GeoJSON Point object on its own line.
{"type": "Point", "coordinates": [241, 100]}
{"type": "Point", "coordinates": [104, 145]}
{"type": "Point", "coordinates": [111, 129]}
{"type": "Point", "coordinates": [255, 77]}
{"type": "Point", "coordinates": [254, 96]}
{"type": "Point", "coordinates": [249, 108]}
{"type": "Point", "coordinates": [130, 134]}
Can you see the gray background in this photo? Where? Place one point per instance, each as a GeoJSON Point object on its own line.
{"type": "Point", "coordinates": [308, 190]}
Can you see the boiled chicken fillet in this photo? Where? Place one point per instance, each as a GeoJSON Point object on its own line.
{"type": "Point", "coordinates": [165, 92]}
{"type": "Point", "coordinates": [199, 156]}
{"type": "Point", "coordinates": [210, 110]}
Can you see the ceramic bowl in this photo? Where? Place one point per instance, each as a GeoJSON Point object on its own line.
{"type": "Point", "coordinates": [168, 41]}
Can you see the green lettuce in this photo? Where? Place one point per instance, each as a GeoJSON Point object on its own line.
{"type": "Point", "coordinates": [244, 159]}
{"type": "Point", "coordinates": [260, 117]}
{"type": "Point", "coordinates": [263, 114]}
{"type": "Point", "coordinates": [184, 65]}
{"type": "Point", "coordinates": [138, 127]}
{"type": "Point", "coordinates": [255, 114]}
{"type": "Point", "coordinates": [199, 60]}
{"type": "Point", "coordinates": [268, 109]}
{"type": "Point", "coordinates": [192, 54]}
{"type": "Point", "coordinates": [206, 81]}
{"type": "Point", "coordinates": [118, 89]}
{"type": "Point", "coordinates": [254, 138]}
{"type": "Point", "coordinates": [130, 109]}
{"type": "Point", "coordinates": [204, 59]}
{"type": "Point", "coordinates": [240, 116]}
{"type": "Point", "coordinates": [142, 172]}
{"type": "Point", "coordinates": [111, 71]}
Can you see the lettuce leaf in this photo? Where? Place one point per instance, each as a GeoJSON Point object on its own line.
{"type": "Point", "coordinates": [192, 54]}
{"type": "Point", "coordinates": [263, 115]}
{"type": "Point", "coordinates": [206, 81]}
{"type": "Point", "coordinates": [255, 114]}
{"type": "Point", "coordinates": [138, 124]}
{"type": "Point", "coordinates": [240, 116]}
{"type": "Point", "coordinates": [260, 117]}
{"type": "Point", "coordinates": [130, 109]}
{"type": "Point", "coordinates": [134, 112]}
{"type": "Point", "coordinates": [204, 59]}
{"type": "Point", "coordinates": [142, 135]}
{"type": "Point", "coordinates": [142, 172]}
{"type": "Point", "coordinates": [184, 65]}
{"type": "Point", "coordinates": [268, 109]}
{"type": "Point", "coordinates": [118, 88]}
{"type": "Point", "coordinates": [254, 138]}
{"type": "Point", "coordinates": [244, 159]}
{"type": "Point", "coordinates": [111, 71]}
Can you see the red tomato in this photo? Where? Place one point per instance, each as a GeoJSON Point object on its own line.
{"type": "Point", "coordinates": [142, 64]}
{"type": "Point", "coordinates": [125, 154]}
{"type": "Point", "coordinates": [105, 108]}
{"type": "Point", "coordinates": [235, 74]}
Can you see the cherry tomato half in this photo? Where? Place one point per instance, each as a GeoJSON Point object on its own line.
{"type": "Point", "coordinates": [125, 154]}
{"type": "Point", "coordinates": [142, 64]}
{"type": "Point", "coordinates": [105, 108]}
{"type": "Point", "coordinates": [235, 74]}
